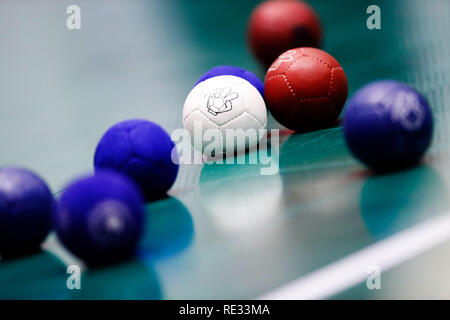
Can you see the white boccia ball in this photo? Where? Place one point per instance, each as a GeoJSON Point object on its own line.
{"type": "Point", "coordinates": [221, 103]}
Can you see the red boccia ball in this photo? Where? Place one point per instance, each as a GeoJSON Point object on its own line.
{"type": "Point", "coordinates": [278, 25]}
{"type": "Point", "coordinates": [305, 88]}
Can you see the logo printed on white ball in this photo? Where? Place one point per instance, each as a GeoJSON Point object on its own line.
{"type": "Point", "coordinates": [219, 100]}
{"type": "Point", "coordinates": [222, 103]}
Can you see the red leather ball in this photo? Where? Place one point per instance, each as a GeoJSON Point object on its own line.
{"type": "Point", "coordinates": [305, 88]}
{"type": "Point", "coordinates": [278, 25]}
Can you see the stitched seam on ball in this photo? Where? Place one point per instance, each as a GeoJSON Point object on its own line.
{"type": "Point", "coordinates": [251, 115]}
{"type": "Point", "coordinates": [189, 114]}
{"type": "Point", "coordinates": [292, 63]}
{"type": "Point", "coordinates": [235, 117]}
{"type": "Point", "coordinates": [134, 154]}
{"type": "Point", "coordinates": [286, 80]}
{"type": "Point", "coordinates": [206, 116]}
{"type": "Point", "coordinates": [330, 86]}
{"type": "Point", "coordinates": [317, 59]}
{"type": "Point", "coordinates": [332, 79]}
{"type": "Point", "coordinates": [274, 76]}
{"type": "Point", "coordinates": [314, 98]}
{"type": "Point", "coordinates": [241, 115]}
{"type": "Point", "coordinates": [246, 111]}
{"type": "Point", "coordinates": [287, 68]}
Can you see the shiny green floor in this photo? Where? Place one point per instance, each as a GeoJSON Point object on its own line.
{"type": "Point", "coordinates": [226, 231]}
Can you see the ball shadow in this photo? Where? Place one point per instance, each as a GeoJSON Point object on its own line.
{"type": "Point", "coordinates": [169, 229]}
{"type": "Point", "coordinates": [327, 125]}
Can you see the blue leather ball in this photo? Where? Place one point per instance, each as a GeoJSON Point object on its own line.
{"type": "Point", "coordinates": [26, 210]}
{"type": "Point", "coordinates": [388, 125]}
{"type": "Point", "coordinates": [141, 150]}
{"type": "Point", "coordinates": [100, 218]}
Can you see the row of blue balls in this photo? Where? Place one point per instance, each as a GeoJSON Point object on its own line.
{"type": "Point", "coordinates": [99, 218]}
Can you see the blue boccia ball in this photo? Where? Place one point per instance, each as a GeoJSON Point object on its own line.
{"type": "Point", "coordinates": [100, 218]}
{"type": "Point", "coordinates": [26, 210]}
{"type": "Point", "coordinates": [141, 150]}
{"type": "Point", "coordinates": [388, 125]}
{"type": "Point", "coordinates": [234, 71]}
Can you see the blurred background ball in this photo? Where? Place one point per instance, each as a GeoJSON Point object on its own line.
{"type": "Point", "coordinates": [279, 25]}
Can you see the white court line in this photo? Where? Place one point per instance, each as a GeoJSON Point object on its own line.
{"type": "Point", "coordinates": [351, 270]}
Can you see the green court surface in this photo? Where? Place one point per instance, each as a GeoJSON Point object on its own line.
{"type": "Point", "coordinates": [310, 231]}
